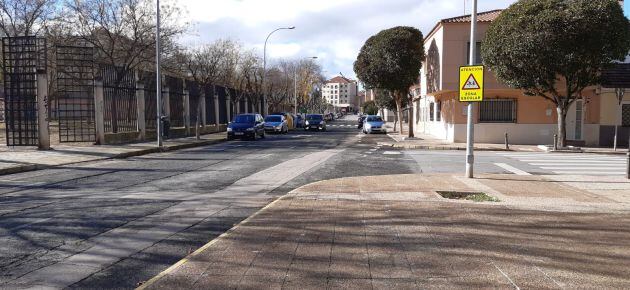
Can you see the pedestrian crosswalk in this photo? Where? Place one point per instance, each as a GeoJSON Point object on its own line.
{"type": "Point", "coordinates": [573, 164]}
{"type": "Point", "coordinates": [341, 125]}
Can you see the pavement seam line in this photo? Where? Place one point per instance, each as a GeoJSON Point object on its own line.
{"type": "Point", "coordinates": [204, 247]}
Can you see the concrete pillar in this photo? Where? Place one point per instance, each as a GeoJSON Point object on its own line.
{"type": "Point", "coordinates": [186, 100]}
{"type": "Point", "coordinates": [246, 106]}
{"type": "Point", "coordinates": [202, 104]}
{"type": "Point", "coordinates": [99, 110]}
{"type": "Point", "coordinates": [265, 107]}
{"type": "Point", "coordinates": [217, 119]}
{"type": "Point", "coordinates": [166, 102]}
{"type": "Point", "coordinates": [42, 111]}
{"type": "Point", "coordinates": [228, 108]}
{"type": "Point", "coordinates": [142, 123]}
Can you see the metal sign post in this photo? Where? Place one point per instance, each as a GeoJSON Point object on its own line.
{"type": "Point", "coordinates": [620, 92]}
{"type": "Point", "coordinates": [470, 129]}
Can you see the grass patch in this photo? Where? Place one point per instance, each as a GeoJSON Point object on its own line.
{"type": "Point", "coordinates": [472, 196]}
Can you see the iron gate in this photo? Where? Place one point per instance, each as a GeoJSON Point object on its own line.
{"type": "Point", "coordinates": [176, 101]}
{"type": "Point", "coordinates": [150, 102]}
{"type": "Point", "coordinates": [22, 58]}
{"type": "Point", "coordinates": [75, 87]}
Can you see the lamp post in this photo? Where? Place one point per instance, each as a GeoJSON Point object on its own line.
{"type": "Point", "coordinates": [158, 80]}
{"type": "Point", "coordinates": [265, 109]}
{"type": "Point", "coordinates": [295, 85]}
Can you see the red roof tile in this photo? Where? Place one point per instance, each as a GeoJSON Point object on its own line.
{"type": "Point", "coordinates": [487, 16]}
{"type": "Point", "coordinates": [339, 80]}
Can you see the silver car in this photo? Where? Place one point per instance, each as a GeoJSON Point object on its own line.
{"type": "Point", "coordinates": [374, 124]}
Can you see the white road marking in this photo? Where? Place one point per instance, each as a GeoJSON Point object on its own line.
{"type": "Point", "coordinates": [392, 153]}
{"type": "Point", "coordinates": [512, 169]}
{"type": "Point", "coordinates": [506, 276]}
{"type": "Point", "coordinates": [573, 164]}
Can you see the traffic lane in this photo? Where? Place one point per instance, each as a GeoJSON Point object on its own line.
{"type": "Point", "coordinates": [70, 219]}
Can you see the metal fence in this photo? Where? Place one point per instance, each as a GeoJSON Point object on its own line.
{"type": "Point", "coordinates": [22, 58]}
{"type": "Point", "coordinates": [150, 101]}
{"type": "Point", "coordinates": [210, 113]}
{"type": "Point", "coordinates": [119, 96]}
{"type": "Point", "coordinates": [223, 113]}
{"type": "Point", "coordinates": [75, 93]}
{"type": "Point", "coordinates": [176, 100]}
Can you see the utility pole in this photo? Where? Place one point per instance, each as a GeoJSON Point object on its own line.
{"type": "Point", "coordinates": [470, 127]}
{"type": "Point", "coordinates": [158, 81]}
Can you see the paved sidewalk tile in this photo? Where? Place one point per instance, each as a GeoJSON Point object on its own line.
{"type": "Point", "coordinates": [312, 239]}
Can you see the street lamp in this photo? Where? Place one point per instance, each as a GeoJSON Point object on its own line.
{"type": "Point", "coordinates": [158, 79]}
{"type": "Point", "coordinates": [295, 85]}
{"type": "Point", "coordinates": [265, 64]}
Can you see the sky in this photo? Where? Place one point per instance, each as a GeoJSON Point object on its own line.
{"type": "Point", "coordinates": [332, 30]}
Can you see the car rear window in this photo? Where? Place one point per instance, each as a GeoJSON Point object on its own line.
{"type": "Point", "coordinates": [375, 119]}
{"type": "Point", "coordinates": [273, 119]}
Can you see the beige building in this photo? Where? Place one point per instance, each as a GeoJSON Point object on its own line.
{"type": "Point", "coordinates": [341, 92]}
{"type": "Point", "coordinates": [527, 119]}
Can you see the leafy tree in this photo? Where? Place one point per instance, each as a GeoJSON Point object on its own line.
{"type": "Point", "coordinates": [554, 49]}
{"type": "Point", "coordinates": [391, 60]}
{"type": "Point", "coordinates": [370, 108]}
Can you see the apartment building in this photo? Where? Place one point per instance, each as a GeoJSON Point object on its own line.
{"type": "Point", "coordinates": [341, 92]}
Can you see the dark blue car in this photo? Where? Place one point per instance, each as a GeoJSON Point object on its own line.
{"type": "Point", "coordinates": [246, 126]}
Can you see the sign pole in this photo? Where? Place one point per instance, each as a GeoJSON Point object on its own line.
{"type": "Point", "coordinates": [470, 129]}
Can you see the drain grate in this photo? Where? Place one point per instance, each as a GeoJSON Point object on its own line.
{"type": "Point", "coordinates": [468, 195]}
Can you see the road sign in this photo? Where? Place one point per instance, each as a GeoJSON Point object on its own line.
{"type": "Point", "coordinates": [471, 83]}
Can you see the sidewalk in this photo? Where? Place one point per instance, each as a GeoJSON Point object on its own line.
{"type": "Point", "coordinates": [14, 160]}
{"type": "Point", "coordinates": [429, 142]}
{"type": "Point", "coordinates": [395, 232]}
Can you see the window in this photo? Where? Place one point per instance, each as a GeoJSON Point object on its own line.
{"type": "Point", "coordinates": [438, 111]}
{"type": "Point", "coordinates": [497, 111]}
{"type": "Point", "coordinates": [431, 111]}
{"type": "Point", "coordinates": [478, 59]}
{"type": "Point", "coordinates": [625, 115]}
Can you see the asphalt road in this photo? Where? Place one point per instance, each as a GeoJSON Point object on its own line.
{"type": "Point", "coordinates": [115, 224]}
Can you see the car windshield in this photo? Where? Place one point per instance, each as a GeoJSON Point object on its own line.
{"type": "Point", "coordinates": [375, 119]}
{"type": "Point", "coordinates": [248, 119]}
{"type": "Point", "coordinates": [314, 117]}
{"type": "Point", "coordinates": [273, 119]}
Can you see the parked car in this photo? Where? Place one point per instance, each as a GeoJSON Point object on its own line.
{"type": "Point", "coordinates": [315, 122]}
{"type": "Point", "coordinates": [299, 121]}
{"type": "Point", "coordinates": [374, 124]}
{"type": "Point", "coordinates": [250, 126]}
{"type": "Point", "coordinates": [276, 124]}
{"type": "Point", "coordinates": [289, 119]}
{"type": "Point", "coordinates": [361, 120]}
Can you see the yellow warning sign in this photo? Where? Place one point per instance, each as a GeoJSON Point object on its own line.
{"type": "Point", "coordinates": [471, 83]}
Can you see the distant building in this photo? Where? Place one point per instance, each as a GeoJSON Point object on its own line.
{"type": "Point", "coordinates": [341, 92]}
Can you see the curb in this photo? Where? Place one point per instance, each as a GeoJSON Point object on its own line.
{"type": "Point", "coordinates": [35, 167]}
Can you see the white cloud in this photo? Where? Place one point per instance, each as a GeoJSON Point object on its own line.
{"type": "Point", "coordinates": [333, 30]}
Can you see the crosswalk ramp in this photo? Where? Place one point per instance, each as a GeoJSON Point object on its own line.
{"type": "Point", "coordinates": [574, 164]}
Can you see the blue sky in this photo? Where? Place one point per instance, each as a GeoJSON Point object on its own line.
{"type": "Point", "coordinates": [332, 30]}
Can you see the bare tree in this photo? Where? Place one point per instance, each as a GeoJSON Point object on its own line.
{"type": "Point", "coordinates": [26, 17]}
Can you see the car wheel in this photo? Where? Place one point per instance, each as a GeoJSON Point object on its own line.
{"type": "Point", "coordinates": [263, 135]}
{"type": "Point", "coordinates": [230, 138]}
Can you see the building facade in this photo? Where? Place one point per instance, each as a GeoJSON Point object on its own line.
{"type": "Point", "coordinates": [527, 119]}
{"type": "Point", "coordinates": [342, 93]}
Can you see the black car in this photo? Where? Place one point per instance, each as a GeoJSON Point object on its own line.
{"type": "Point", "coordinates": [250, 126]}
{"type": "Point", "coordinates": [361, 119]}
{"type": "Point", "coordinates": [315, 121]}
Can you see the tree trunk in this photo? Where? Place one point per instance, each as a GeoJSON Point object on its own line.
{"type": "Point", "coordinates": [410, 118]}
{"type": "Point", "coordinates": [562, 126]}
{"type": "Point", "coordinates": [399, 114]}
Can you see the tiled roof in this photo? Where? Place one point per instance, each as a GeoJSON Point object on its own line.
{"type": "Point", "coordinates": [617, 76]}
{"type": "Point", "coordinates": [339, 80]}
{"type": "Point", "coordinates": [487, 16]}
